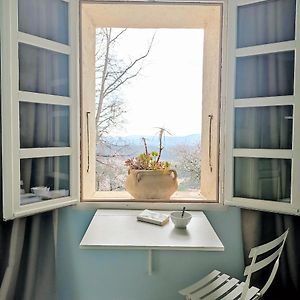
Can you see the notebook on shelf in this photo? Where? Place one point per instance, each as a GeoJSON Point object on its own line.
{"type": "Point", "coordinates": [153, 217]}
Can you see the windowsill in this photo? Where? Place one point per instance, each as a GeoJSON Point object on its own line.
{"type": "Point", "coordinates": [175, 203]}
{"type": "Point", "coordinates": [123, 196]}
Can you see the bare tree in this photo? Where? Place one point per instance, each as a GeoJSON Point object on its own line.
{"type": "Point", "coordinates": [188, 166]}
{"type": "Point", "coordinates": [113, 72]}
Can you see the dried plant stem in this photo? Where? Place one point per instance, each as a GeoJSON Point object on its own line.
{"type": "Point", "coordinates": [161, 133]}
{"type": "Point", "coordinates": [145, 145]}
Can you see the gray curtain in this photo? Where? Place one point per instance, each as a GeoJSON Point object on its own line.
{"type": "Point", "coordinates": [27, 245]}
{"type": "Point", "coordinates": [27, 264]}
{"type": "Point", "coordinates": [261, 227]}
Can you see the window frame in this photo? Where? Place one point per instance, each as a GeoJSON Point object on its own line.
{"type": "Point", "coordinates": [128, 203]}
{"type": "Point", "coordinates": [233, 52]}
{"type": "Point", "coordinates": [11, 97]}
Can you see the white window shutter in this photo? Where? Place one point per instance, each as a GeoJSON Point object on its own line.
{"type": "Point", "coordinates": [40, 105]}
{"type": "Point", "coordinates": [262, 106]}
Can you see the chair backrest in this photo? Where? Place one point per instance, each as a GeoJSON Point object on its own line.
{"type": "Point", "coordinates": [275, 248]}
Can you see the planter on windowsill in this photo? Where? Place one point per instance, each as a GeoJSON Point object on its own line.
{"type": "Point", "coordinates": [151, 184]}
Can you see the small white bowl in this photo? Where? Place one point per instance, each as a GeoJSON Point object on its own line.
{"type": "Point", "coordinates": [180, 222]}
{"type": "Point", "coordinates": [40, 190]}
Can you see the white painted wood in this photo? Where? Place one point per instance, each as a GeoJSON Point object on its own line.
{"type": "Point", "coordinates": [246, 2]}
{"type": "Point", "coordinates": [265, 49]}
{"type": "Point", "coordinates": [223, 100]}
{"type": "Point", "coordinates": [285, 206]}
{"type": "Point", "coordinates": [210, 287]}
{"type": "Point", "coordinates": [199, 284]}
{"type": "Point", "coordinates": [268, 246]}
{"type": "Point", "coordinates": [223, 289]}
{"type": "Point", "coordinates": [34, 208]}
{"type": "Point", "coordinates": [228, 173]}
{"type": "Point", "coordinates": [295, 186]}
{"type": "Point", "coordinates": [44, 98]}
{"type": "Point", "coordinates": [217, 285]}
{"type": "Point", "coordinates": [14, 114]}
{"type": "Point", "coordinates": [263, 153]}
{"type": "Point", "coordinates": [292, 206]}
{"type": "Point", "coordinates": [74, 93]}
{"type": "Point", "coordinates": [261, 264]}
{"type": "Point", "coordinates": [43, 43]}
{"type": "Point", "coordinates": [10, 105]}
{"type": "Point", "coordinates": [120, 229]}
{"type": "Point", "coordinates": [235, 293]}
{"type": "Point", "coordinates": [6, 106]}
{"type": "Point", "coordinates": [265, 101]}
{"type": "Point", "coordinates": [45, 152]}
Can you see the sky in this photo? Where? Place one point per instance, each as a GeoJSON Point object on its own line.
{"type": "Point", "coordinates": [168, 92]}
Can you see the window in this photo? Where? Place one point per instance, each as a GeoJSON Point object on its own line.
{"type": "Point", "coordinates": [263, 105]}
{"type": "Point", "coordinates": [40, 101]}
{"type": "Point", "coordinates": [100, 21]}
{"type": "Point", "coordinates": [250, 148]}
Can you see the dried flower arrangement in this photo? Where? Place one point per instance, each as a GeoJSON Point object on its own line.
{"type": "Point", "coordinates": [150, 160]}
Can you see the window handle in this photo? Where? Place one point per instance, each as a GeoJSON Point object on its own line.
{"type": "Point", "coordinates": [209, 141]}
{"type": "Point", "coordinates": [288, 117]}
{"type": "Point", "coordinates": [88, 139]}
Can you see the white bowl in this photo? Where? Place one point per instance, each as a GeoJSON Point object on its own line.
{"type": "Point", "coordinates": [178, 220]}
{"type": "Point", "coordinates": [40, 190]}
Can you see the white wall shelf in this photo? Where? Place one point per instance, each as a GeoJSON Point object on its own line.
{"type": "Point", "coordinates": [119, 229]}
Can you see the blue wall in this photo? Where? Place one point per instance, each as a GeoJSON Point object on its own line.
{"type": "Point", "coordinates": [122, 275]}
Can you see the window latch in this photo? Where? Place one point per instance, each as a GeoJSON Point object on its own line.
{"type": "Point", "coordinates": [88, 140]}
{"type": "Point", "coordinates": [209, 141]}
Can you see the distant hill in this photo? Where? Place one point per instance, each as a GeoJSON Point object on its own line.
{"type": "Point", "coordinates": [152, 140]}
{"type": "Point", "coordinates": [132, 145]}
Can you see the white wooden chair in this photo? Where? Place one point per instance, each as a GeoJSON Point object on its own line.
{"type": "Point", "coordinates": [217, 285]}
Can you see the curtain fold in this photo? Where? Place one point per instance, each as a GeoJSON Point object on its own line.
{"type": "Point", "coordinates": [261, 227]}
{"type": "Point", "coordinates": [27, 245]}
{"type": "Point", "coordinates": [28, 266]}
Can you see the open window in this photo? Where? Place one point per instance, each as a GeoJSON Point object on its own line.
{"type": "Point", "coordinates": [39, 95]}
{"type": "Point", "coordinates": [169, 28]}
{"type": "Point", "coordinates": [262, 167]}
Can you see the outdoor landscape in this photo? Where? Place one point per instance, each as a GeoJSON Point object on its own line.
{"type": "Point", "coordinates": [129, 109]}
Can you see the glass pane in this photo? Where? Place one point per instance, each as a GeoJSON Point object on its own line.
{"type": "Point", "coordinates": [44, 178]}
{"type": "Point", "coordinates": [266, 22]}
{"type": "Point", "coordinates": [262, 178]}
{"type": "Point", "coordinates": [44, 125]}
{"type": "Point", "coordinates": [43, 71]}
{"type": "Point", "coordinates": [264, 127]}
{"type": "Point", "coordinates": [48, 19]}
{"type": "Point", "coordinates": [265, 75]}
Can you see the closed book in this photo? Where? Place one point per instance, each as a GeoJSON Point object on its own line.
{"type": "Point", "coordinates": [153, 217]}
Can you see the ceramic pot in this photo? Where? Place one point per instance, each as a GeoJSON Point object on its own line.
{"type": "Point", "coordinates": [149, 184]}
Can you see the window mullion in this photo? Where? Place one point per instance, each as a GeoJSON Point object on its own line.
{"type": "Point", "coordinates": [266, 48]}
{"type": "Point", "coordinates": [43, 43]}
{"type": "Point", "coordinates": [44, 152]}
{"type": "Point", "coordinates": [263, 153]}
{"type": "Point", "coordinates": [296, 126]}
{"type": "Point", "coordinates": [44, 98]}
{"type": "Point", "coordinates": [265, 101]}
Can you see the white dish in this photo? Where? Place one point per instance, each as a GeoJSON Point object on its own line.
{"type": "Point", "coordinates": [179, 220]}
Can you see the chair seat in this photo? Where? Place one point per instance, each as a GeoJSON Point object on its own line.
{"type": "Point", "coordinates": [217, 285]}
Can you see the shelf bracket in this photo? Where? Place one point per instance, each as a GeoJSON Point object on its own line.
{"type": "Point", "coordinates": [150, 269]}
